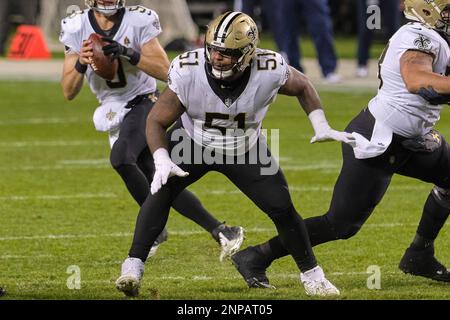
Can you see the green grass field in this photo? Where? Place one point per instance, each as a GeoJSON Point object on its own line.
{"type": "Point", "coordinates": [62, 205]}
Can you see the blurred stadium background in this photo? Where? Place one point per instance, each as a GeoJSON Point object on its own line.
{"type": "Point", "coordinates": [64, 210]}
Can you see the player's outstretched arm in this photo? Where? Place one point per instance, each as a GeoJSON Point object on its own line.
{"type": "Point", "coordinates": [164, 113]}
{"type": "Point", "coordinates": [300, 86]}
{"type": "Point", "coordinates": [75, 66]}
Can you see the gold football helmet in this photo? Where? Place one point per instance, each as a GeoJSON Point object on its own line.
{"type": "Point", "coordinates": [433, 13]}
{"type": "Point", "coordinates": [107, 7]}
{"type": "Point", "coordinates": [233, 34]}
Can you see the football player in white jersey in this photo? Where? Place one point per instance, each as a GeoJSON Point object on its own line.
{"type": "Point", "coordinates": [393, 135]}
{"type": "Point", "coordinates": [125, 101]}
{"type": "Point", "coordinates": [223, 92]}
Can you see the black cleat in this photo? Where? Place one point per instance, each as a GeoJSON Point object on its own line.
{"type": "Point", "coordinates": [251, 265]}
{"type": "Point", "coordinates": [2, 292]}
{"type": "Point", "coordinates": [423, 263]}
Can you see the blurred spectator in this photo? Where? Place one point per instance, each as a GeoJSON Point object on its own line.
{"type": "Point", "coordinates": [284, 17]}
{"type": "Point", "coordinates": [390, 19]}
{"type": "Point", "coordinates": [270, 15]}
{"type": "Point", "coordinates": [316, 14]}
{"type": "Point", "coordinates": [344, 16]}
{"type": "Point", "coordinates": [26, 11]}
{"type": "Point", "coordinates": [179, 30]}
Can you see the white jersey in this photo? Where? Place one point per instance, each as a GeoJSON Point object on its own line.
{"type": "Point", "coordinates": [229, 122]}
{"type": "Point", "coordinates": [136, 26]}
{"type": "Point", "coordinates": [405, 113]}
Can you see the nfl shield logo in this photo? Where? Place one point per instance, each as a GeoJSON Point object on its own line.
{"type": "Point", "coordinates": [228, 102]}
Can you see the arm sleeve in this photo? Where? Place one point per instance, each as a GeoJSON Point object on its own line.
{"type": "Point", "coordinates": [420, 39]}
{"type": "Point", "coordinates": [284, 70]}
{"type": "Point", "coordinates": [175, 81]}
{"type": "Point", "coordinates": [152, 28]}
{"type": "Point", "coordinates": [69, 38]}
{"type": "Point", "coordinates": [274, 65]}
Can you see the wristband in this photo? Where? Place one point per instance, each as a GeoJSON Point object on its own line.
{"type": "Point", "coordinates": [80, 67]}
{"type": "Point", "coordinates": [133, 56]}
{"type": "Point", "coordinates": [318, 120]}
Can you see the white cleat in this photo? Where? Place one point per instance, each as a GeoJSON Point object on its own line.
{"type": "Point", "coordinates": [130, 278]}
{"type": "Point", "coordinates": [153, 250]}
{"type": "Point", "coordinates": [316, 284]}
{"type": "Point", "coordinates": [163, 236]}
{"type": "Point", "coordinates": [230, 240]}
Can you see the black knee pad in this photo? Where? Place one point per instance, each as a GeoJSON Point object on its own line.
{"type": "Point", "coordinates": [281, 214]}
{"type": "Point", "coordinates": [442, 196]}
{"type": "Point", "coordinates": [120, 156]}
{"type": "Point", "coordinates": [344, 229]}
{"type": "Point", "coordinates": [348, 232]}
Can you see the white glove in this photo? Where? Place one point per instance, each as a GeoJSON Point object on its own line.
{"type": "Point", "coordinates": [323, 131]}
{"type": "Point", "coordinates": [164, 169]}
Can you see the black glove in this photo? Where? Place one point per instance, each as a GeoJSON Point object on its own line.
{"type": "Point", "coordinates": [433, 97]}
{"type": "Point", "coordinates": [117, 50]}
{"type": "Point", "coordinates": [427, 143]}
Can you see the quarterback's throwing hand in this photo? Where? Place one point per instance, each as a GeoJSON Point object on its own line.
{"type": "Point", "coordinates": [164, 169]}
{"type": "Point", "coordinates": [116, 50]}
{"type": "Point", "coordinates": [113, 48]}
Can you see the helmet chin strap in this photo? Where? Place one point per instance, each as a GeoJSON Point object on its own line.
{"type": "Point", "coordinates": [219, 74]}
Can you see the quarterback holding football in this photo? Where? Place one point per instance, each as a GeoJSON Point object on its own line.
{"type": "Point", "coordinates": [110, 36]}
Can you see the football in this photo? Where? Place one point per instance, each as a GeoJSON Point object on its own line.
{"type": "Point", "coordinates": [105, 66]}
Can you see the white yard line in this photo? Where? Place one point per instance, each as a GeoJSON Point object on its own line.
{"type": "Point", "coordinates": [19, 257]}
{"type": "Point", "coordinates": [14, 122]}
{"type": "Point", "coordinates": [104, 163]}
{"type": "Point", "coordinates": [311, 167]}
{"type": "Point", "coordinates": [57, 167]}
{"type": "Point", "coordinates": [59, 197]}
{"type": "Point", "coordinates": [197, 278]}
{"type": "Point", "coordinates": [51, 143]}
{"type": "Point", "coordinates": [65, 236]}
{"type": "Point", "coordinates": [272, 276]}
{"type": "Point", "coordinates": [422, 187]}
{"type": "Point", "coordinates": [174, 232]}
{"type": "Point", "coordinates": [295, 188]}
{"type": "Point", "coordinates": [85, 162]}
